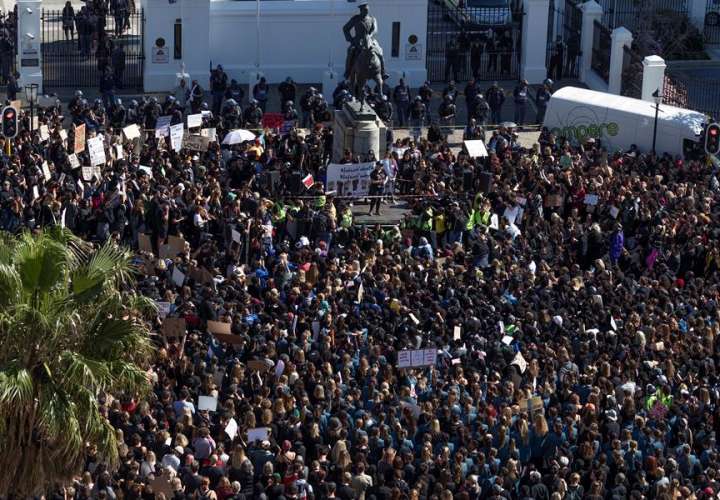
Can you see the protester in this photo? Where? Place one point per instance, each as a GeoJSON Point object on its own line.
{"type": "Point", "coordinates": [561, 303]}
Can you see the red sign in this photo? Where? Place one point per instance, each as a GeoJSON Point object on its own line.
{"type": "Point", "coordinates": [272, 120]}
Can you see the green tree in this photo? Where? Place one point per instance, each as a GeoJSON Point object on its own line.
{"type": "Point", "coordinates": [71, 329]}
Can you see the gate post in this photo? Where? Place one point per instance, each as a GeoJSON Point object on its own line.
{"type": "Point", "coordinates": [621, 37]}
{"type": "Point", "coordinates": [534, 40]}
{"type": "Point", "coordinates": [696, 13]}
{"type": "Point", "coordinates": [592, 11]}
{"type": "Point", "coordinates": [29, 37]}
{"type": "Point", "coordinates": [653, 76]}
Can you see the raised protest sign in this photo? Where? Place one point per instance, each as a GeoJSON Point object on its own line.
{"type": "Point", "coordinates": [176, 136]}
{"type": "Point", "coordinates": [97, 151]}
{"type": "Point", "coordinates": [476, 149]}
{"type": "Point", "coordinates": [352, 179]}
{"type": "Point", "coordinates": [173, 327]}
{"type": "Point", "coordinates": [162, 126]}
{"type": "Point", "coordinates": [219, 327]}
{"type": "Point", "coordinates": [194, 121]}
{"type": "Point", "coordinates": [79, 145]}
{"type": "Point", "coordinates": [196, 142]}
{"type": "Point", "coordinates": [131, 132]}
{"type": "Point", "coordinates": [417, 358]}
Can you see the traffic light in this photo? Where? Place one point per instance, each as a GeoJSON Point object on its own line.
{"type": "Point", "coordinates": [9, 122]}
{"type": "Point", "coordinates": [712, 139]}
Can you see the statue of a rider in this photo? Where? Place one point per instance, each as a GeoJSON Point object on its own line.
{"type": "Point", "coordinates": [365, 28]}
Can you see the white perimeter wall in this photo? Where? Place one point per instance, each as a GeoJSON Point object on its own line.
{"type": "Point", "coordinates": [298, 38]}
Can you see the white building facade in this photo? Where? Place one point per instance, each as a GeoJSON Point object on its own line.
{"type": "Point", "coordinates": [301, 39]}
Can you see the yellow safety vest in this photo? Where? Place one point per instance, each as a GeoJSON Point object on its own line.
{"type": "Point", "coordinates": [347, 219]}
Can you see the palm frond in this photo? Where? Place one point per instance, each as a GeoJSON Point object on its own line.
{"type": "Point", "coordinates": [39, 262]}
{"type": "Point", "coordinates": [10, 285]}
{"type": "Point", "coordinates": [16, 386]}
{"type": "Point", "coordinates": [109, 265]}
{"type": "Point", "coordinates": [80, 370]}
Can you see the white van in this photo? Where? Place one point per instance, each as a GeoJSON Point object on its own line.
{"type": "Point", "coordinates": [619, 122]}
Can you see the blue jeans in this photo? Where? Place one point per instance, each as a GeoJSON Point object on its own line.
{"type": "Point", "coordinates": [495, 116]}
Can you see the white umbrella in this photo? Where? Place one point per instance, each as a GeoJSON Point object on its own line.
{"type": "Point", "coordinates": [238, 136]}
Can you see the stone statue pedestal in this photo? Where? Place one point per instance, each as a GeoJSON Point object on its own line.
{"type": "Point", "coordinates": [360, 130]}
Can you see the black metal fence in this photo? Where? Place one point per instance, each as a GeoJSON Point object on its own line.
{"type": "Point", "coordinates": [563, 38]}
{"type": "Point", "coordinates": [631, 13]}
{"type": "Point", "coordinates": [466, 42]}
{"type": "Point", "coordinates": [80, 52]}
{"type": "Point", "coordinates": [712, 21]}
{"type": "Point", "coordinates": [632, 70]}
{"type": "Point", "coordinates": [692, 93]}
{"type": "Point", "coordinates": [8, 47]}
{"type": "Point", "coordinates": [600, 61]}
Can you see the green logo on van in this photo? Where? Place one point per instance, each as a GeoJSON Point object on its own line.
{"type": "Point", "coordinates": [582, 132]}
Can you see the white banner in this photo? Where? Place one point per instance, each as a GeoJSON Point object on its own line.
{"type": "Point", "coordinates": [176, 136]}
{"type": "Point", "coordinates": [352, 179]}
{"type": "Point", "coordinates": [97, 150]}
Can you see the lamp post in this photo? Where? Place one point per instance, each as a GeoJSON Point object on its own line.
{"type": "Point", "coordinates": [31, 91]}
{"type": "Point", "coordinates": [658, 99]}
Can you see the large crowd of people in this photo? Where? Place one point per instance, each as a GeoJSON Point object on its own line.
{"type": "Point", "coordinates": [567, 295]}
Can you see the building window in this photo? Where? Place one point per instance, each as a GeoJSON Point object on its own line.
{"type": "Point", "coordinates": [177, 41]}
{"type": "Point", "coordinates": [395, 40]}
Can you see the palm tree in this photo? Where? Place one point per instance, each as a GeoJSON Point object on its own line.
{"type": "Point", "coordinates": [71, 329]}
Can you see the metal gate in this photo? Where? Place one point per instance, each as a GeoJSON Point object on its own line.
{"type": "Point", "coordinates": [712, 21]}
{"type": "Point", "coordinates": [632, 71]}
{"type": "Point", "coordinates": [600, 60]}
{"type": "Point", "coordinates": [466, 42]}
{"type": "Point", "coordinates": [82, 50]}
{"type": "Point", "coordinates": [563, 41]}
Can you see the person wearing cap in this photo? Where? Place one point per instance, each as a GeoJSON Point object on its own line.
{"type": "Point", "coordinates": [542, 97]}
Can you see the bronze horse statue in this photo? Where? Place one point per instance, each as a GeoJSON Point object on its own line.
{"type": "Point", "coordinates": [366, 67]}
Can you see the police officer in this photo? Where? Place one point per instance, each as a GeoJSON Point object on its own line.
{"type": "Point", "coordinates": [118, 114]}
{"type": "Point", "coordinates": [287, 90]}
{"type": "Point", "coordinates": [383, 108]}
{"type": "Point", "coordinates": [341, 98]}
{"type": "Point", "coordinates": [307, 102]}
{"type": "Point", "coordinates": [320, 111]}
{"type": "Point", "coordinates": [290, 113]}
{"type": "Point", "coordinates": [451, 90]}
{"type": "Point", "coordinates": [541, 98]}
{"type": "Point", "coordinates": [495, 97]}
{"type": "Point", "coordinates": [418, 115]}
{"type": "Point", "coordinates": [341, 87]}
{"type": "Point", "coordinates": [253, 115]}
{"type": "Point", "coordinates": [401, 96]}
{"type": "Point", "coordinates": [446, 112]}
{"type": "Point", "coordinates": [521, 94]}
{"type": "Point", "coordinates": [471, 90]}
{"type": "Point", "coordinates": [426, 93]}
{"type": "Point", "coordinates": [480, 109]}
{"type": "Point", "coordinates": [231, 114]}
{"type": "Point", "coordinates": [132, 113]}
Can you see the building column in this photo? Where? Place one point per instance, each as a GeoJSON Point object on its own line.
{"type": "Point", "coordinates": [653, 77]}
{"type": "Point", "coordinates": [534, 40]}
{"type": "Point", "coordinates": [621, 37]}
{"type": "Point", "coordinates": [29, 59]}
{"type": "Point", "coordinates": [592, 11]}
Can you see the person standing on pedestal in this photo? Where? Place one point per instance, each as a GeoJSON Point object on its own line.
{"type": "Point", "coordinates": [401, 96]}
